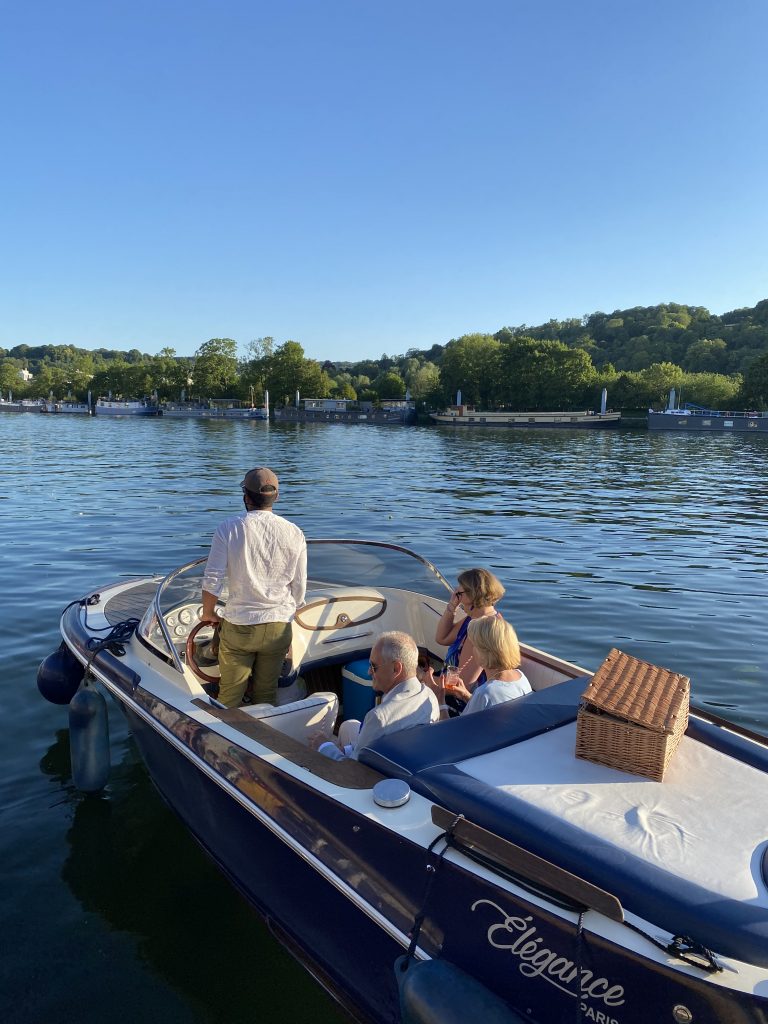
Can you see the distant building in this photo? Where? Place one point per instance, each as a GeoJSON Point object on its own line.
{"type": "Point", "coordinates": [26, 375]}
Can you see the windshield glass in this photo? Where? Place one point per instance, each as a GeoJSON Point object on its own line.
{"type": "Point", "coordinates": [350, 563]}
{"type": "Point", "coordinates": [179, 603]}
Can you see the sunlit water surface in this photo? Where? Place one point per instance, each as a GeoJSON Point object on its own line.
{"type": "Point", "coordinates": [654, 543]}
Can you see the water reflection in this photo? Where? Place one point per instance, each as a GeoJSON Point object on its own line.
{"type": "Point", "coordinates": [131, 863]}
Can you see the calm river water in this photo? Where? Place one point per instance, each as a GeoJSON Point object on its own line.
{"type": "Point", "coordinates": [654, 543]}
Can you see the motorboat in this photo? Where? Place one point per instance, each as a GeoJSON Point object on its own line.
{"type": "Point", "coordinates": [329, 410]}
{"type": "Point", "coordinates": [23, 405]}
{"type": "Point", "coordinates": [213, 411]}
{"type": "Point", "coordinates": [465, 416]}
{"type": "Point", "coordinates": [474, 865]}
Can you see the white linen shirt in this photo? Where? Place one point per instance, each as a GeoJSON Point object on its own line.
{"type": "Point", "coordinates": [263, 558]}
{"type": "Point", "coordinates": [405, 705]}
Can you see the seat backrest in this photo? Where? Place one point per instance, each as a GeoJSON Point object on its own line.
{"type": "Point", "coordinates": [405, 754]}
{"type": "Point", "coordinates": [302, 718]}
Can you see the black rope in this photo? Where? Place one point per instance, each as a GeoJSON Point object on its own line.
{"type": "Point", "coordinates": [83, 602]}
{"type": "Point", "coordinates": [114, 641]}
{"type": "Point", "coordinates": [684, 948]}
{"type": "Point", "coordinates": [432, 870]}
{"type": "Point", "coordinates": [579, 951]}
{"type": "Point", "coordinates": [88, 602]}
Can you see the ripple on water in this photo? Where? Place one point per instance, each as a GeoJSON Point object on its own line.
{"type": "Point", "coordinates": [649, 542]}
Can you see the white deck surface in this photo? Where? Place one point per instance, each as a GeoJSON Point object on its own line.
{"type": "Point", "coordinates": [706, 822]}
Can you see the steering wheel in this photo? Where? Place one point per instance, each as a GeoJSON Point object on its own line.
{"type": "Point", "coordinates": [192, 654]}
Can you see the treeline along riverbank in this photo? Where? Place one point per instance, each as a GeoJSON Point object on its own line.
{"type": "Point", "coordinates": [639, 354]}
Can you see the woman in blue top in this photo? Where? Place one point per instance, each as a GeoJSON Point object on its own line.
{"type": "Point", "coordinates": [476, 594]}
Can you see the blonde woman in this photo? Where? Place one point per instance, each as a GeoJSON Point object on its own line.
{"type": "Point", "coordinates": [498, 652]}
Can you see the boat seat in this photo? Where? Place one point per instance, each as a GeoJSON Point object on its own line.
{"type": "Point", "coordinates": [682, 905]}
{"type": "Point", "coordinates": [404, 754]}
{"type": "Point", "coordinates": [300, 719]}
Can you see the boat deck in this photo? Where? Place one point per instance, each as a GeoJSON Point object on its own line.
{"type": "Point", "coordinates": [131, 603]}
{"type": "Point", "coordinates": [688, 853]}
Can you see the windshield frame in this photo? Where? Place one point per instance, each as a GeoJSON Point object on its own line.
{"type": "Point", "coordinates": [153, 620]}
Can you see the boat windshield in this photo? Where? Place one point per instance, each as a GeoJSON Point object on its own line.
{"type": "Point", "coordinates": [350, 563]}
{"type": "Point", "coordinates": [177, 605]}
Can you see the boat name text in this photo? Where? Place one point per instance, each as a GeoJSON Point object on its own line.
{"type": "Point", "coordinates": [519, 937]}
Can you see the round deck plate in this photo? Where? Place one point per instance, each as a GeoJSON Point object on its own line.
{"type": "Point", "coordinates": [391, 793]}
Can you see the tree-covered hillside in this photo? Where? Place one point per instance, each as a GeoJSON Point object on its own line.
{"type": "Point", "coordinates": [689, 336]}
{"type": "Point", "coordinates": [638, 354]}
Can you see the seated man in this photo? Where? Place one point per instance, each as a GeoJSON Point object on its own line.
{"type": "Point", "coordinates": [405, 701]}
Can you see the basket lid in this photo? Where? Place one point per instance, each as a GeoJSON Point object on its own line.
{"type": "Point", "coordinates": [638, 691]}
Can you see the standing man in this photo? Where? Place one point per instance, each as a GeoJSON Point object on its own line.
{"type": "Point", "coordinates": [263, 558]}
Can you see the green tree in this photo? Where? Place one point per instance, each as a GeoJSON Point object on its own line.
{"type": "Point", "coordinates": [625, 390]}
{"type": "Point", "coordinates": [408, 367]}
{"type": "Point", "coordinates": [471, 364]}
{"type": "Point", "coordinates": [260, 349]}
{"type": "Point", "coordinates": [214, 374]}
{"type": "Point", "coordinates": [755, 387]}
{"type": "Point", "coordinates": [118, 378]}
{"type": "Point", "coordinates": [9, 375]}
{"type": "Point", "coordinates": [289, 371]}
{"type": "Point", "coordinates": [254, 369]}
{"type": "Point", "coordinates": [713, 390]}
{"type": "Point", "coordinates": [545, 374]}
{"type": "Point", "coordinates": [706, 355]}
{"type": "Point", "coordinates": [657, 381]}
{"type": "Point", "coordinates": [315, 382]}
{"type": "Point", "coordinates": [169, 374]}
{"type": "Point", "coordinates": [425, 384]}
{"type": "Point", "coordinates": [389, 385]}
{"type": "Point", "coordinates": [343, 389]}
{"type": "Point", "coordinates": [49, 379]}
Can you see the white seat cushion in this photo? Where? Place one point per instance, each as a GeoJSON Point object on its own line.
{"type": "Point", "coordinates": [302, 718]}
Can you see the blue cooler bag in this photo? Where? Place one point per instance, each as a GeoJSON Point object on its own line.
{"type": "Point", "coordinates": [357, 696]}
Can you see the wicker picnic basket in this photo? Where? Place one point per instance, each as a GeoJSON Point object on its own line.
{"type": "Point", "coordinates": [633, 716]}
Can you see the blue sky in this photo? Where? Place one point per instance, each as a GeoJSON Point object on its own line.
{"type": "Point", "coordinates": [372, 177]}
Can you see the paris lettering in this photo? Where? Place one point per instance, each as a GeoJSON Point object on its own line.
{"type": "Point", "coordinates": [518, 936]}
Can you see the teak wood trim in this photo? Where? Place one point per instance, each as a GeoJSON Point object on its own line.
{"type": "Point", "coordinates": [349, 774]}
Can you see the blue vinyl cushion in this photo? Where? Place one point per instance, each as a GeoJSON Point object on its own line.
{"type": "Point", "coordinates": [426, 757]}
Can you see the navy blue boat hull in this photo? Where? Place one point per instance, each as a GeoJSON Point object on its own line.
{"type": "Point", "coordinates": [530, 957]}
